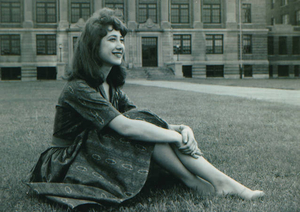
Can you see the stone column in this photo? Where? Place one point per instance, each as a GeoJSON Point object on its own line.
{"type": "Point", "coordinates": [231, 13]}
{"type": "Point", "coordinates": [63, 14]}
{"type": "Point", "coordinates": [98, 4]}
{"type": "Point", "coordinates": [28, 53]}
{"type": "Point", "coordinates": [197, 14]}
{"type": "Point", "coordinates": [164, 8]}
{"type": "Point", "coordinates": [131, 11]}
{"type": "Point", "coordinates": [28, 19]}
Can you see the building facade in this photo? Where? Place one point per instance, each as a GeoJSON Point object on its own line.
{"type": "Point", "coordinates": [283, 22]}
{"type": "Point", "coordinates": [194, 38]}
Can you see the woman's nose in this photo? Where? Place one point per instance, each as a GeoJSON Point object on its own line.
{"type": "Point", "coordinates": [120, 45]}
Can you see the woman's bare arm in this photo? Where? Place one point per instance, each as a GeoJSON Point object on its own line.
{"type": "Point", "coordinates": [144, 131]}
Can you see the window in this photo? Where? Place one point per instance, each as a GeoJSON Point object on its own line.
{"type": "Point", "coordinates": [248, 71]}
{"type": "Point", "coordinates": [74, 42]}
{"type": "Point", "coordinates": [180, 12]}
{"type": "Point", "coordinates": [10, 44]}
{"type": "Point", "coordinates": [284, 2]}
{"type": "Point", "coordinates": [247, 44]}
{"type": "Point", "coordinates": [116, 6]}
{"type": "Point", "coordinates": [283, 45]}
{"type": "Point", "coordinates": [46, 12]}
{"type": "Point", "coordinates": [211, 13]}
{"type": "Point", "coordinates": [46, 73]}
{"type": "Point", "coordinates": [273, 21]}
{"type": "Point", "coordinates": [296, 70]}
{"type": "Point", "coordinates": [147, 11]}
{"type": "Point", "coordinates": [46, 44]}
{"type": "Point", "coordinates": [187, 71]}
{"type": "Point", "coordinates": [215, 71]}
{"type": "Point", "coordinates": [10, 12]}
{"type": "Point", "coordinates": [246, 13]}
{"type": "Point", "coordinates": [270, 45]}
{"type": "Point", "coordinates": [182, 44]}
{"type": "Point", "coordinates": [296, 45]}
{"type": "Point", "coordinates": [285, 19]}
{"type": "Point", "coordinates": [270, 71]}
{"type": "Point", "coordinates": [80, 10]}
{"type": "Point", "coordinates": [298, 17]}
{"type": "Point", "coordinates": [272, 4]}
{"type": "Point", "coordinates": [11, 73]}
{"type": "Point", "coordinates": [283, 71]}
{"type": "Point", "coordinates": [214, 44]}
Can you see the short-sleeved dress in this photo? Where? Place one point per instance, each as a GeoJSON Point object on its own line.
{"type": "Point", "coordinates": [89, 162]}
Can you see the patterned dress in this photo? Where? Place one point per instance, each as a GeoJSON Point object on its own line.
{"type": "Point", "coordinates": [90, 163]}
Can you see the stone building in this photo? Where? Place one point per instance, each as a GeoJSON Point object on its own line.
{"type": "Point", "coordinates": [194, 38]}
{"type": "Point", "coordinates": [283, 21]}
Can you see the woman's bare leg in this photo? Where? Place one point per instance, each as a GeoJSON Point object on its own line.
{"type": "Point", "coordinates": [165, 156]}
{"type": "Point", "coordinates": [223, 184]}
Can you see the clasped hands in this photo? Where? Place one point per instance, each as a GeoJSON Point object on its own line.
{"type": "Point", "coordinates": [189, 145]}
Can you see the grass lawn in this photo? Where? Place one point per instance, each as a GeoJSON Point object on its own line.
{"type": "Point", "coordinates": [255, 142]}
{"type": "Point", "coordinates": [289, 84]}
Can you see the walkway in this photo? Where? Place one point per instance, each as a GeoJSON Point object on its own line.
{"type": "Point", "coordinates": [291, 97]}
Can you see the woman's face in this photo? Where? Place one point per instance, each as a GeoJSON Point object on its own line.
{"type": "Point", "coordinates": [112, 48]}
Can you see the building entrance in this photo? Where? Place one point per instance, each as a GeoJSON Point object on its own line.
{"type": "Point", "coordinates": [149, 51]}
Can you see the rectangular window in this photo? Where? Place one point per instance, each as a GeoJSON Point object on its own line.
{"type": "Point", "coordinates": [10, 12]}
{"type": "Point", "coordinates": [248, 71]}
{"type": "Point", "coordinates": [46, 73]}
{"type": "Point", "coordinates": [273, 21]}
{"type": "Point", "coordinates": [11, 73]}
{"type": "Point", "coordinates": [74, 42]}
{"type": "Point", "coordinates": [285, 19]}
{"type": "Point", "coordinates": [296, 70]}
{"type": "Point", "coordinates": [179, 13]}
{"type": "Point", "coordinates": [214, 44]}
{"type": "Point", "coordinates": [284, 2]}
{"type": "Point", "coordinates": [296, 45]}
{"type": "Point", "coordinates": [246, 13]}
{"type": "Point", "coordinates": [298, 17]}
{"type": "Point", "coordinates": [80, 10]}
{"type": "Point", "coordinates": [211, 13]}
{"type": "Point", "coordinates": [272, 4]}
{"type": "Point", "coordinates": [283, 71]}
{"type": "Point", "coordinates": [116, 6]}
{"type": "Point", "coordinates": [247, 44]}
{"type": "Point", "coordinates": [282, 45]}
{"type": "Point", "coordinates": [147, 11]}
{"type": "Point", "coordinates": [46, 12]}
{"type": "Point", "coordinates": [46, 44]}
{"type": "Point", "coordinates": [215, 71]}
{"type": "Point", "coordinates": [182, 44]}
{"type": "Point", "coordinates": [10, 44]}
{"type": "Point", "coordinates": [270, 71]}
{"type": "Point", "coordinates": [270, 45]}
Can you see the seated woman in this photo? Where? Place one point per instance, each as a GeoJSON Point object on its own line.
{"type": "Point", "coordinates": [103, 145]}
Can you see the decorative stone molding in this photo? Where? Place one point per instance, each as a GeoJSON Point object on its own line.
{"type": "Point", "coordinates": [149, 25]}
{"type": "Point", "coordinates": [79, 25]}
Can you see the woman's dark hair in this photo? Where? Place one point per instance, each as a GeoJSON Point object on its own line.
{"type": "Point", "coordinates": [86, 61]}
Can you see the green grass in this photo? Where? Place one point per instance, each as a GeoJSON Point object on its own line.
{"type": "Point", "coordinates": [255, 142]}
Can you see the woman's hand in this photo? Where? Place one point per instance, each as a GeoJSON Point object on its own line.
{"type": "Point", "coordinates": [190, 145]}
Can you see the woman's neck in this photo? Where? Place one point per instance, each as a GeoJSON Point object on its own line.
{"type": "Point", "coordinates": [105, 70]}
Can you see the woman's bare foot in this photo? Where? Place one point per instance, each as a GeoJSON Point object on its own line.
{"type": "Point", "coordinates": [235, 188]}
